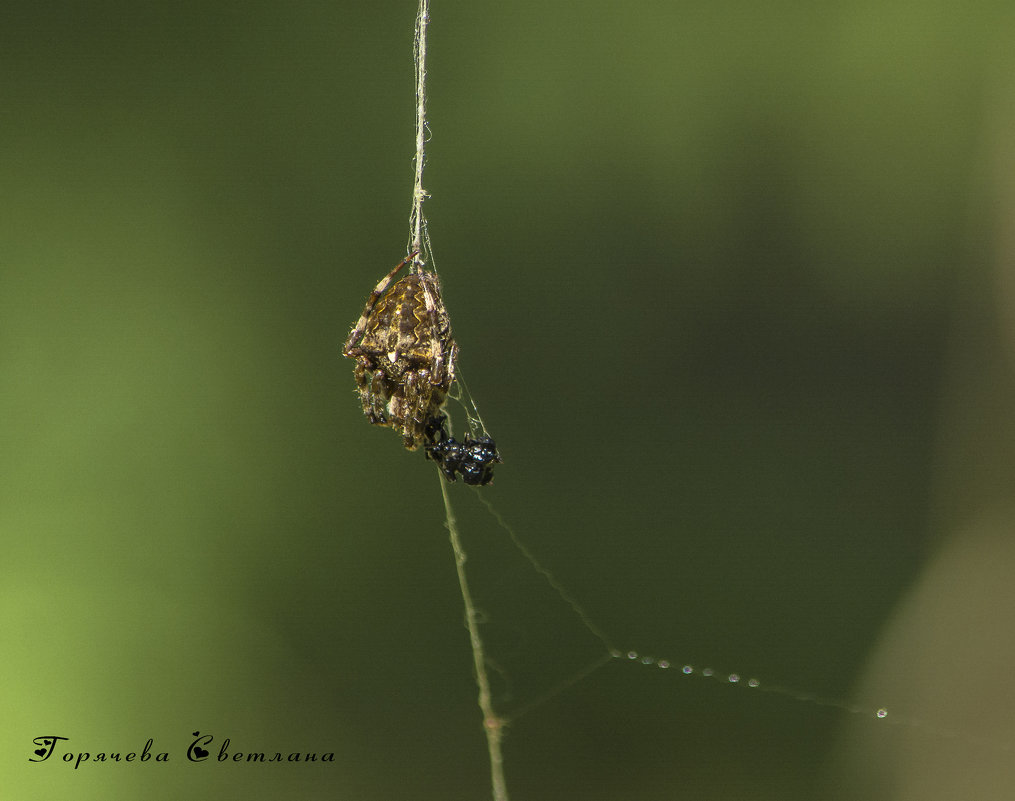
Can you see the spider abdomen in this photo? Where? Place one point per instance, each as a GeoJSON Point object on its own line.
{"type": "Point", "coordinates": [405, 354]}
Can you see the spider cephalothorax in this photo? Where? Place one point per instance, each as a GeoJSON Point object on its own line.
{"type": "Point", "coordinates": [405, 354]}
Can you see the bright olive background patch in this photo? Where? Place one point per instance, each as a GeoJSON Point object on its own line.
{"type": "Point", "coordinates": [702, 263]}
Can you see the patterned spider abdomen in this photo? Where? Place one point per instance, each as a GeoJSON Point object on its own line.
{"type": "Point", "coordinates": [404, 327]}
{"type": "Point", "coordinates": [405, 354]}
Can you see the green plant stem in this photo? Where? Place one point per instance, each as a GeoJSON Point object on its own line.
{"type": "Point", "coordinates": [492, 724]}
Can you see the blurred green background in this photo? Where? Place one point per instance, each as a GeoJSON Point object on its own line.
{"type": "Point", "coordinates": [705, 264]}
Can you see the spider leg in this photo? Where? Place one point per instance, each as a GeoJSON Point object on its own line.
{"type": "Point", "coordinates": [415, 399]}
{"type": "Point", "coordinates": [440, 335]}
{"type": "Point", "coordinates": [372, 392]}
{"type": "Point", "coordinates": [451, 359]}
{"type": "Point", "coordinates": [375, 398]}
{"type": "Point", "coordinates": [382, 286]}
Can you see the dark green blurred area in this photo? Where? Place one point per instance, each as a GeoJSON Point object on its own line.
{"type": "Point", "coordinates": [701, 263]}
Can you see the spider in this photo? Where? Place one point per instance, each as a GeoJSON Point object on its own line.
{"type": "Point", "coordinates": [405, 354]}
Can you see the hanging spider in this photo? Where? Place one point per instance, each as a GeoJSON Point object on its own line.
{"type": "Point", "coordinates": [473, 458]}
{"type": "Point", "coordinates": [405, 354]}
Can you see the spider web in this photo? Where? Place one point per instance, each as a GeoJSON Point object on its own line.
{"type": "Point", "coordinates": [603, 655]}
{"type": "Point", "coordinates": [461, 395]}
